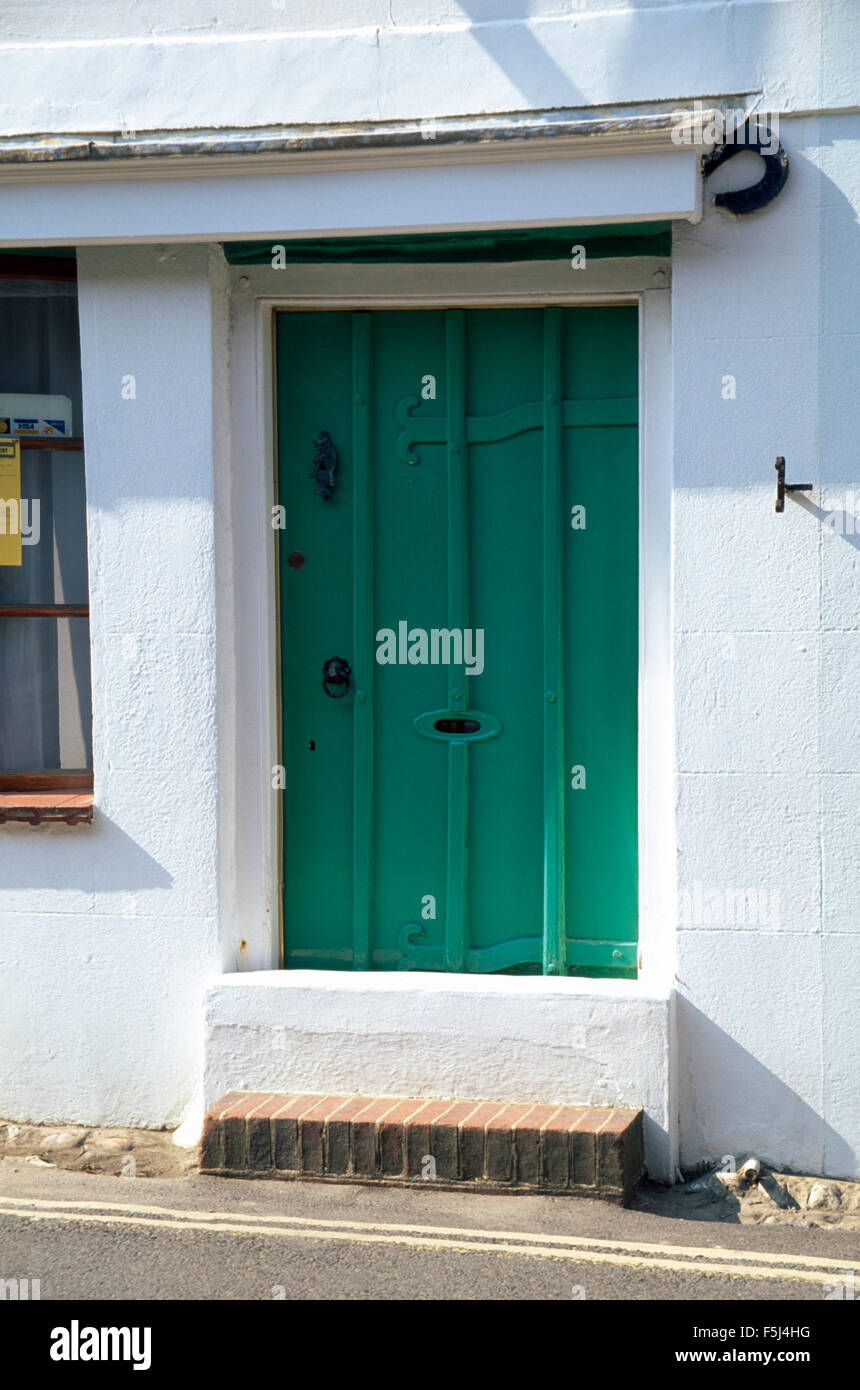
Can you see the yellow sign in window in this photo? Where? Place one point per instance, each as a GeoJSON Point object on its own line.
{"type": "Point", "coordinates": [10, 502]}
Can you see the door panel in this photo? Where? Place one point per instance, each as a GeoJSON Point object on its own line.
{"type": "Point", "coordinates": [463, 441]}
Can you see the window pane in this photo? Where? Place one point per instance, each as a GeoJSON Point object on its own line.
{"type": "Point", "coordinates": [39, 329]}
{"type": "Point", "coordinates": [45, 702]}
{"type": "Point", "coordinates": [45, 705]}
{"type": "Point", "coordinates": [40, 317]}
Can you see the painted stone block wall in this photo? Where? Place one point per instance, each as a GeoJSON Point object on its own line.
{"type": "Point", "coordinates": [266, 63]}
{"type": "Point", "coordinates": [109, 932]}
{"type": "Point", "coordinates": [767, 666]}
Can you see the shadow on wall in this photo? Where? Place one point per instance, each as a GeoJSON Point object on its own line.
{"type": "Point", "coordinates": [616, 56]}
{"type": "Point", "coordinates": [730, 1103]}
{"type": "Point", "coordinates": [840, 522]}
{"type": "Point", "coordinates": [108, 860]}
{"type": "Point", "coordinates": [517, 52]}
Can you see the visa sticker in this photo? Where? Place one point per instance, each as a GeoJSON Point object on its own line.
{"type": "Point", "coordinates": [23, 425]}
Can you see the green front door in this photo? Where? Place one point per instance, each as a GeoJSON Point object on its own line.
{"type": "Point", "coordinates": [459, 556]}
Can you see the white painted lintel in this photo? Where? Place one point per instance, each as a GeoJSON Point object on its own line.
{"type": "Point", "coordinates": [371, 201]}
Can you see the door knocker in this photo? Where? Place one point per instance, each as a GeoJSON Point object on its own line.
{"type": "Point", "coordinates": [336, 671]}
{"type": "Point", "coordinates": [325, 465]}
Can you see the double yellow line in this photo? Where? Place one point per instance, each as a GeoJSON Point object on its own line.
{"type": "Point", "coordinates": [689, 1259]}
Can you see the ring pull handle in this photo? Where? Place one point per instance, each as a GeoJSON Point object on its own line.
{"type": "Point", "coordinates": [336, 672]}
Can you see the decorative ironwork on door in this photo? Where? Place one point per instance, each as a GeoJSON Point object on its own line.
{"type": "Point", "coordinates": [506, 810]}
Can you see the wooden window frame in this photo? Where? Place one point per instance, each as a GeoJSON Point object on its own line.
{"type": "Point", "coordinates": [39, 795]}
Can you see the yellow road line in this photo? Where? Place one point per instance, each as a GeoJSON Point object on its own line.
{"type": "Point", "coordinates": [585, 1242]}
{"type": "Point", "coordinates": [370, 1235]}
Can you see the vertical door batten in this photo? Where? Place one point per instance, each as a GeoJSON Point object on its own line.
{"type": "Point", "coordinates": [457, 888]}
{"type": "Point", "coordinates": [363, 641]}
{"type": "Point", "coordinates": [553, 628]}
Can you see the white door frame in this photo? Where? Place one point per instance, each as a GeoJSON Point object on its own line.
{"type": "Point", "coordinates": [249, 639]}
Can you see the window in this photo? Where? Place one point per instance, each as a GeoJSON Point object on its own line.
{"type": "Point", "coordinates": [45, 694]}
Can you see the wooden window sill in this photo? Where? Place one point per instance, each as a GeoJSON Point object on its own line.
{"type": "Point", "coordinates": [39, 808]}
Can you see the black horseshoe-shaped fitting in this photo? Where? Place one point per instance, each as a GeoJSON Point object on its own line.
{"type": "Point", "coordinates": [336, 671]}
{"type": "Point", "coordinates": [743, 200]}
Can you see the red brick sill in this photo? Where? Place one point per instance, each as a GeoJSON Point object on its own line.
{"type": "Point", "coordinates": [40, 808]}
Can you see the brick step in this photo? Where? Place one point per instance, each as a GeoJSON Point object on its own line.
{"type": "Point", "coordinates": [474, 1145]}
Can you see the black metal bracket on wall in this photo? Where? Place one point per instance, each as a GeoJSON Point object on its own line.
{"type": "Point", "coordinates": [741, 201]}
{"type": "Point", "coordinates": [782, 487]}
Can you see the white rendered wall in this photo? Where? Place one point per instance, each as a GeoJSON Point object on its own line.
{"type": "Point", "coordinates": [164, 65]}
{"type": "Point", "coordinates": [767, 667]}
{"type": "Point", "coordinates": [109, 932]}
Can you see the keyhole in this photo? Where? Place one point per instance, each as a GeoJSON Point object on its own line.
{"type": "Point", "coordinates": [312, 745]}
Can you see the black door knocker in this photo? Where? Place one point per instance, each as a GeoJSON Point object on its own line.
{"type": "Point", "coordinates": [325, 465]}
{"type": "Point", "coordinates": [336, 671]}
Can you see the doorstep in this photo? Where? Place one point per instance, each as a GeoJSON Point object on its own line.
{"type": "Point", "coordinates": [545, 1039]}
{"type": "Point", "coordinates": [486, 1146]}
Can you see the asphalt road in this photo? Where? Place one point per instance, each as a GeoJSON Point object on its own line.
{"type": "Point", "coordinates": [93, 1237]}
